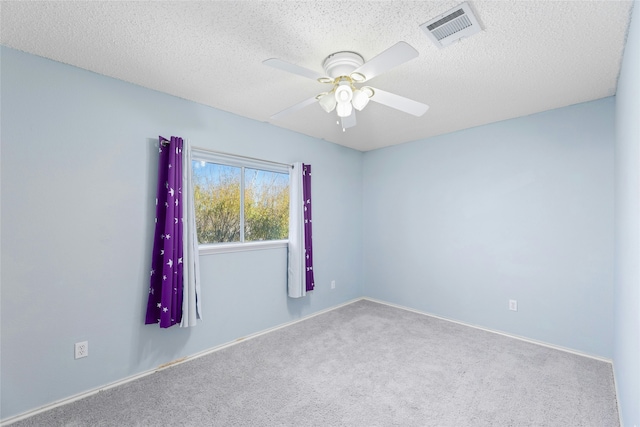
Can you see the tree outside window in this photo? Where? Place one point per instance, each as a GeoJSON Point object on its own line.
{"type": "Point", "coordinates": [239, 204]}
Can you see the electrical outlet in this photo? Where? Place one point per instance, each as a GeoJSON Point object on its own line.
{"type": "Point", "coordinates": [333, 284]}
{"type": "Point", "coordinates": [82, 349]}
{"type": "Point", "coordinates": [513, 305]}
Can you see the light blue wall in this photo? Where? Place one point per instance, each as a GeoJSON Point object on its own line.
{"type": "Point", "coordinates": [455, 225]}
{"type": "Point", "coordinates": [626, 354]}
{"type": "Point", "coordinates": [458, 224]}
{"type": "Point", "coordinates": [78, 171]}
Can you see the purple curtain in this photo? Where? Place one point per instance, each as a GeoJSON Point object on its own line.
{"type": "Point", "coordinates": [165, 287]}
{"type": "Point", "coordinates": [308, 247]}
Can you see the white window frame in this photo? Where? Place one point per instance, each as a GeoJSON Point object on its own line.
{"type": "Point", "coordinates": [200, 154]}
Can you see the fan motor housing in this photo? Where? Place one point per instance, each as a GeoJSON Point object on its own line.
{"type": "Point", "coordinates": [341, 64]}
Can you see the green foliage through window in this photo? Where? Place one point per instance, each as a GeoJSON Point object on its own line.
{"type": "Point", "coordinates": [266, 205]}
{"type": "Point", "coordinates": [221, 215]}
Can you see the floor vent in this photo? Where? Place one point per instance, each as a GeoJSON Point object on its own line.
{"type": "Point", "coordinates": [453, 25]}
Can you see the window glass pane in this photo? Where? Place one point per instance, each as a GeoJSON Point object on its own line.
{"type": "Point", "coordinates": [266, 205]}
{"type": "Point", "coordinates": [217, 202]}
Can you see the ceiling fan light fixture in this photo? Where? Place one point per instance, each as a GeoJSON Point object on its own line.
{"type": "Point", "coordinates": [327, 101]}
{"type": "Point", "coordinates": [344, 93]}
{"type": "Point", "coordinates": [344, 109]}
{"type": "Point", "coordinates": [344, 70]}
{"type": "Point", "coordinates": [361, 97]}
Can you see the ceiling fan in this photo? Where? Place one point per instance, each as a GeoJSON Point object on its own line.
{"type": "Point", "coordinates": [346, 71]}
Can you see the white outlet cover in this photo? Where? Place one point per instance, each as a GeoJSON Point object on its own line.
{"type": "Point", "coordinates": [513, 305]}
{"type": "Point", "coordinates": [81, 349]}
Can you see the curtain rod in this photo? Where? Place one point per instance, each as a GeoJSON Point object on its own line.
{"type": "Point", "coordinates": [164, 141]}
{"type": "Point", "coordinates": [242, 157]}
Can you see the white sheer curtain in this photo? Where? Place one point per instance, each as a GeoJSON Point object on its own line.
{"type": "Point", "coordinates": [191, 301]}
{"type": "Point", "coordinates": [300, 270]}
{"type": "Point", "coordinates": [296, 282]}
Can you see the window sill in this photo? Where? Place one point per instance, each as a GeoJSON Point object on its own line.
{"type": "Point", "coordinates": [222, 248]}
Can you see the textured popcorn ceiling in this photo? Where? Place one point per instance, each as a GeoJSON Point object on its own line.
{"type": "Point", "coordinates": [531, 56]}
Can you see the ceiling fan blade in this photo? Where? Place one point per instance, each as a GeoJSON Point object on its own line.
{"type": "Point", "coordinates": [397, 54]}
{"type": "Point", "coordinates": [292, 68]}
{"type": "Point", "coordinates": [399, 102]}
{"type": "Point", "coordinates": [349, 121]}
{"type": "Point", "coordinates": [294, 108]}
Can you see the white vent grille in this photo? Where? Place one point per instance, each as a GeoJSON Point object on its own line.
{"type": "Point", "coordinates": [453, 25]}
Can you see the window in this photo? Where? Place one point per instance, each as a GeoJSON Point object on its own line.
{"type": "Point", "coordinates": [239, 203]}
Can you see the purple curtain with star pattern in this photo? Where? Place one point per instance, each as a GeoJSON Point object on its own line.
{"type": "Point", "coordinates": [308, 246]}
{"type": "Point", "coordinates": [166, 278]}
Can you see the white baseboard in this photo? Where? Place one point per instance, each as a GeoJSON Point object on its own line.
{"type": "Point", "coordinates": [506, 334]}
{"type": "Point", "coordinates": [67, 400]}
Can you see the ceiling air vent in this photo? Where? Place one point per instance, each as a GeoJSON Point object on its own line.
{"type": "Point", "coordinates": [453, 25]}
